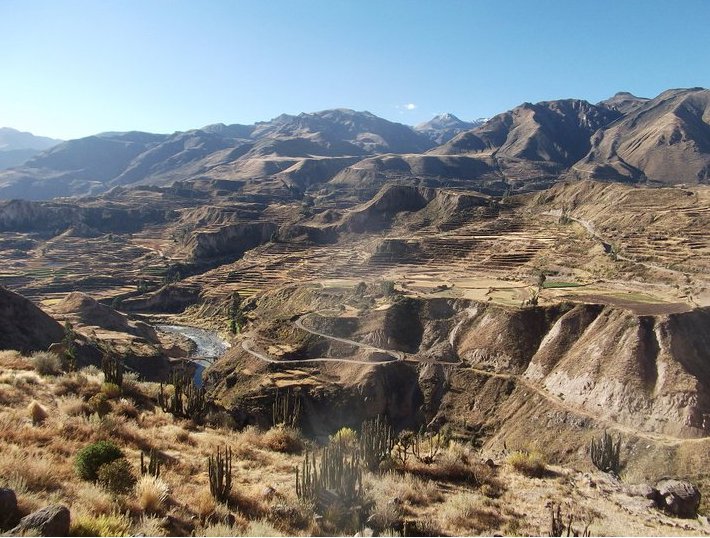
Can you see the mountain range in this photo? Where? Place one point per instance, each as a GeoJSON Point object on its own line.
{"type": "Point", "coordinates": [664, 140]}
{"type": "Point", "coordinates": [16, 147]}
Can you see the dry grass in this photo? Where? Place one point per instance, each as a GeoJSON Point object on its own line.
{"type": "Point", "coordinates": [533, 464]}
{"type": "Point", "coordinates": [464, 511]}
{"type": "Point", "coordinates": [151, 494]}
{"type": "Point", "coordinates": [407, 488]}
{"type": "Point", "coordinates": [102, 525]}
{"type": "Point", "coordinates": [73, 406]}
{"type": "Point", "coordinates": [13, 360]}
{"type": "Point", "coordinates": [46, 363]}
{"type": "Point", "coordinates": [283, 439]}
{"type": "Point", "coordinates": [38, 414]}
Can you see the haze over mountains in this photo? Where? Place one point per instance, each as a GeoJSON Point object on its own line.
{"type": "Point", "coordinates": [18, 146]}
{"type": "Point", "coordinates": [665, 140]}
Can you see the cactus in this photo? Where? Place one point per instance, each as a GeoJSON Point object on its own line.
{"type": "Point", "coordinates": [153, 467]}
{"type": "Point", "coordinates": [285, 411]}
{"type": "Point", "coordinates": [337, 475]}
{"type": "Point", "coordinates": [427, 446]}
{"type": "Point", "coordinates": [219, 468]}
{"type": "Point", "coordinates": [558, 526]}
{"type": "Point", "coordinates": [376, 442]}
{"type": "Point", "coordinates": [404, 447]}
{"type": "Point", "coordinates": [113, 369]}
{"type": "Point", "coordinates": [187, 401]}
{"type": "Point", "coordinates": [605, 454]}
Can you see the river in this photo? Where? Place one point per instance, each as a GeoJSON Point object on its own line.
{"type": "Point", "coordinates": [208, 346]}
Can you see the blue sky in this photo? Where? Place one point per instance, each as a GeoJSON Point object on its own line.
{"type": "Point", "coordinates": [77, 67]}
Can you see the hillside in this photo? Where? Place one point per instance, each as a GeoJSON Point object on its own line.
{"type": "Point", "coordinates": [665, 140]}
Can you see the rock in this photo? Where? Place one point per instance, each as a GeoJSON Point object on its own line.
{"type": "Point", "coordinates": [8, 509]}
{"type": "Point", "coordinates": [267, 493]}
{"type": "Point", "coordinates": [642, 490]}
{"type": "Point", "coordinates": [52, 520]}
{"type": "Point", "coordinates": [679, 497]}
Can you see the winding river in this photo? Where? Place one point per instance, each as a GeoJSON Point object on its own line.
{"type": "Point", "coordinates": [208, 346]}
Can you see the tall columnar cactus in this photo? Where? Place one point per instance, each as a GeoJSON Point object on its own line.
{"type": "Point", "coordinates": [219, 468]}
{"type": "Point", "coordinates": [376, 442]}
{"type": "Point", "coordinates": [286, 409]}
{"type": "Point", "coordinates": [113, 369]}
{"type": "Point", "coordinates": [605, 454]}
{"type": "Point", "coordinates": [337, 474]}
{"type": "Point", "coordinates": [187, 400]}
{"type": "Point", "coordinates": [153, 467]}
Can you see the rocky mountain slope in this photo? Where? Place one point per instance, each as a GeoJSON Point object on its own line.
{"type": "Point", "coordinates": [665, 140]}
{"type": "Point", "coordinates": [624, 138]}
{"type": "Point", "coordinates": [97, 163]}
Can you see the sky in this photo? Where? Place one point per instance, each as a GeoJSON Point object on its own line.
{"type": "Point", "coordinates": [72, 68]}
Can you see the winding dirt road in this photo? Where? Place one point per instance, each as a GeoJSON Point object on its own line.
{"type": "Point", "coordinates": [668, 440]}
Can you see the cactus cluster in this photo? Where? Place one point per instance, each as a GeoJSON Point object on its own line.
{"type": "Point", "coordinates": [153, 467]}
{"type": "Point", "coordinates": [558, 526]}
{"type": "Point", "coordinates": [376, 442]}
{"type": "Point", "coordinates": [605, 454]}
{"type": "Point", "coordinates": [219, 468]}
{"type": "Point", "coordinates": [113, 369]}
{"type": "Point", "coordinates": [338, 476]}
{"type": "Point", "coordinates": [286, 409]}
{"type": "Point", "coordinates": [187, 400]}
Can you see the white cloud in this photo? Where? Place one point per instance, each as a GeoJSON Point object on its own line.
{"type": "Point", "coordinates": [410, 106]}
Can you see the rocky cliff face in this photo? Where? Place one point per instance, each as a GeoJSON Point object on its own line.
{"type": "Point", "coordinates": [479, 364]}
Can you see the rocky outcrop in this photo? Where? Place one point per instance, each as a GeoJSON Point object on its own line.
{"type": "Point", "coordinates": [53, 520]}
{"type": "Point", "coordinates": [8, 509]}
{"type": "Point", "coordinates": [169, 299]}
{"type": "Point", "coordinates": [231, 240]}
{"type": "Point", "coordinates": [678, 497]}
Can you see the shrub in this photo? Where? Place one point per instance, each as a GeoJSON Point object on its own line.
{"type": "Point", "coordinates": [528, 463]}
{"type": "Point", "coordinates": [151, 493]}
{"type": "Point", "coordinates": [110, 390]}
{"type": "Point", "coordinates": [37, 413]}
{"type": "Point", "coordinates": [92, 457]}
{"type": "Point", "coordinates": [117, 476]}
{"type": "Point", "coordinates": [47, 363]}
{"type": "Point", "coordinates": [102, 525]}
{"type": "Point", "coordinates": [99, 404]}
{"type": "Point", "coordinates": [283, 439]}
{"type": "Point", "coordinates": [345, 436]}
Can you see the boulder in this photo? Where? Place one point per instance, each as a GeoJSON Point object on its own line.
{"type": "Point", "coordinates": [678, 497]}
{"type": "Point", "coordinates": [8, 509]}
{"type": "Point", "coordinates": [52, 520]}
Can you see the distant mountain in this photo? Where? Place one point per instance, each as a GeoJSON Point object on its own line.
{"type": "Point", "coordinates": [320, 143]}
{"type": "Point", "coordinates": [624, 138]}
{"type": "Point", "coordinates": [444, 127]}
{"type": "Point", "coordinates": [16, 147]}
{"type": "Point", "coordinates": [624, 102]}
{"type": "Point", "coordinates": [663, 140]}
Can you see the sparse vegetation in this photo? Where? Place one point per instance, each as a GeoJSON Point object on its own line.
{"type": "Point", "coordinates": [530, 463]}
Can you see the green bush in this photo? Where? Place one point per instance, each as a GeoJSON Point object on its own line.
{"type": "Point", "coordinates": [111, 390]}
{"type": "Point", "coordinates": [117, 476]}
{"type": "Point", "coordinates": [92, 457]}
